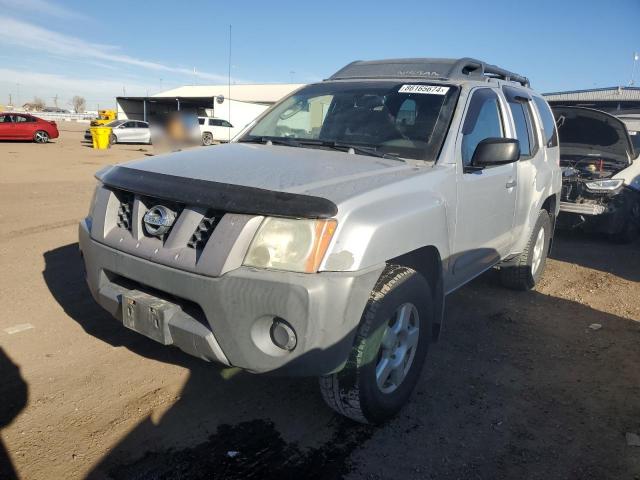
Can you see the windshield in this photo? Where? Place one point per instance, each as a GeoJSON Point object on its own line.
{"type": "Point", "coordinates": [115, 123]}
{"type": "Point", "coordinates": [391, 118]}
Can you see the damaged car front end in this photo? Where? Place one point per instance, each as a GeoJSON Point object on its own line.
{"type": "Point", "coordinates": [600, 173]}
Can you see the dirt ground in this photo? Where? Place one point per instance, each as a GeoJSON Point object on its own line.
{"type": "Point", "coordinates": [518, 387]}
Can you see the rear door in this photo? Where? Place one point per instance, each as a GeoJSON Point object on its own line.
{"type": "Point", "coordinates": [486, 197]}
{"type": "Point", "coordinates": [142, 133]}
{"type": "Point", "coordinates": [24, 126]}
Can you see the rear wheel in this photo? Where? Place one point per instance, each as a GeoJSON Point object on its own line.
{"type": "Point", "coordinates": [523, 272]}
{"type": "Point", "coordinates": [207, 138]}
{"type": "Point", "coordinates": [389, 350]}
{"type": "Point", "coordinates": [41, 136]}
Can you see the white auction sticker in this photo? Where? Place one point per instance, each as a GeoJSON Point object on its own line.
{"type": "Point", "coordinates": [425, 89]}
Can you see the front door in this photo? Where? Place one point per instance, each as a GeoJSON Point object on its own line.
{"type": "Point", "coordinates": [6, 126]}
{"type": "Point", "coordinates": [486, 197]}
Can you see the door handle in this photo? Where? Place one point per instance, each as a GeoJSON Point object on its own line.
{"type": "Point", "coordinates": [511, 183]}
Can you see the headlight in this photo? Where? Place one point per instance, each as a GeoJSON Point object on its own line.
{"type": "Point", "coordinates": [604, 185]}
{"type": "Point", "coordinates": [290, 244]}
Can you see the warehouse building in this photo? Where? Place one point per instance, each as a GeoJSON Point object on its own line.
{"type": "Point", "coordinates": [238, 104]}
{"type": "Point", "coordinates": [614, 100]}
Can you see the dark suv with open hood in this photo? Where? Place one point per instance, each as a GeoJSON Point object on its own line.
{"type": "Point", "coordinates": [600, 173]}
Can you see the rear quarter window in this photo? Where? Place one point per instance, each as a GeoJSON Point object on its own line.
{"type": "Point", "coordinates": [548, 123]}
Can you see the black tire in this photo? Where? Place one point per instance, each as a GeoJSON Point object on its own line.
{"type": "Point", "coordinates": [207, 139]}
{"type": "Point", "coordinates": [41, 136]}
{"type": "Point", "coordinates": [113, 139]}
{"type": "Point", "coordinates": [354, 391]}
{"type": "Point", "coordinates": [518, 273]}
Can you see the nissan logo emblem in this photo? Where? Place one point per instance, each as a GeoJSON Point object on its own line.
{"type": "Point", "coordinates": [158, 220]}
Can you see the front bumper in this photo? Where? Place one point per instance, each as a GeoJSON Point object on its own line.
{"type": "Point", "coordinates": [610, 216]}
{"type": "Point", "coordinates": [233, 312]}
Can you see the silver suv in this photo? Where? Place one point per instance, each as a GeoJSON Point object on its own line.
{"type": "Point", "coordinates": [324, 240]}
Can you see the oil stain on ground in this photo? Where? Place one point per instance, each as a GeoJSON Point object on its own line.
{"type": "Point", "coordinates": [250, 450]}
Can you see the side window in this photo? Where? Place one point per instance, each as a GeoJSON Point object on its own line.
{"type": "Point", "coordinates": [548, 124]}
{"type": "Point", "coordinates": [214, 123]}
{"type": "Point", "coordinates": [201, 121]}
{"type": "Point", "coordinates": [520, 105]}
{"type": "Point", "coordinates": [142, 125]}
{"type": "Point", "coordinates": [522, 127]}
{"type": "Point", "coordinates": [5, 119]}
{"type": "Point", "coordinates": [130, 125]}
{"type": "Point", "coordinates": [226, 124]}
{"type": "Point", "coordinates": [483, 120]}
{"type": "Point", "coordinates": [19, 119]}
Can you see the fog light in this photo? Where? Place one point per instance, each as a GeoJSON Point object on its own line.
{"type": "Point", "coordinates": [283, 335]}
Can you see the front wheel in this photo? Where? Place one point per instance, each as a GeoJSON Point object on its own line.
{"type": "Point", "coordinates": [207, 139]}
{"type": "Point", "coordinates": [389, 350]}
{"type": "Point", "coordinates": [524, 271]}
{"type": "Point", "coordinates": [41, 136]}
{"type": "Point", "coordinates": [113, 139]}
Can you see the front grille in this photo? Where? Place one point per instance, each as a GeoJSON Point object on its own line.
{"type": "Point", "coordinates": [199, 237]}
{"type": "Point", "coordinates": [125, 210]}
{"type": "Point", "coordinates": [204, 230]}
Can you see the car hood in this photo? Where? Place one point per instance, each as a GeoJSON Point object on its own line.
{"type": "Point", "coordinates": [329, 174]}
{"type": "Point", "coordinates": [585, 131]}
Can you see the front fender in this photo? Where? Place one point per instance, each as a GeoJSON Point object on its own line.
{"type": "Point", "coordinates": [386, 227]}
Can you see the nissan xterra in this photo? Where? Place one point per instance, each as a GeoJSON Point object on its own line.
{"type": "Point", "coordinates": [324, 239]}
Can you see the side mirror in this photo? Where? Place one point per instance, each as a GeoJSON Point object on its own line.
{"type": "Point", "coordinates": [496, 151]}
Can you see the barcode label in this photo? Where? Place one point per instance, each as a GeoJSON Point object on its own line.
{"type": "Point", "coordinates": [425, 89]}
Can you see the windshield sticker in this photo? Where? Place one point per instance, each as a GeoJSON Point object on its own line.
{"type": "Point", "coordinates": [424, 89]}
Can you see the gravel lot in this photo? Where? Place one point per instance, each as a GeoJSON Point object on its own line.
{"type": "Point", "coordinates": [519, 386]}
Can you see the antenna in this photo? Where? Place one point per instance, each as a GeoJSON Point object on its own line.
{"type": "Point", "coordinates": [229, 86]}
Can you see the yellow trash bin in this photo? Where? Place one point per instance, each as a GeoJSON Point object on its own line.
{"type": "Point", "coordinates": [100, 137]}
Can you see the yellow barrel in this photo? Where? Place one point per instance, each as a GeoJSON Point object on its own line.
{"type": "Point", "coordinates": [100, 137]}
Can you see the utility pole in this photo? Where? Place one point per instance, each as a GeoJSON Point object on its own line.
{"type": "Point", "coordinates": [229, 89]}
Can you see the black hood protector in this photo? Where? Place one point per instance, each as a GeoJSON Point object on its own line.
{"type": "Point", "coordinates": [220, 196]}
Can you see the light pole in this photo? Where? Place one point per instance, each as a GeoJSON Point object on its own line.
{"type": "Point", "coordinates": [636, 56]}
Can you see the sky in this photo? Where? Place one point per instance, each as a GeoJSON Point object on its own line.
{"type": "Point", "coordinates": [56, 49]}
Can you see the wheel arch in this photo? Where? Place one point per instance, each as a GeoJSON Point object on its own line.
{"type": "Point", "coordinates": [551, 205]}
{"type": "Point", "coordinates": [428, 262]}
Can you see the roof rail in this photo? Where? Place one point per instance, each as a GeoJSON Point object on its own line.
{"type": "Point", "coordinates": [433, 68]}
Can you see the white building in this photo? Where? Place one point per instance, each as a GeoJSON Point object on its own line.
{"type": "Point", "coordinates": [238, 104]}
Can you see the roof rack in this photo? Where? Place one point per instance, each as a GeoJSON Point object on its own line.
{"type": "Point", "coordinates": [428, 68]}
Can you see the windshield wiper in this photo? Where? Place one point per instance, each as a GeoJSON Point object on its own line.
{"type": "Point", "coordinates": [358, 149]}
{"type": "Point", "coordinates": [306, 142]}
{"type": "Point", "coordinates": [274, 140]}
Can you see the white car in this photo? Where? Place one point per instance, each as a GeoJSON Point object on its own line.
{"type": "Point", "coordinates": [215, 130]}
{"type": "Point", "coordinates": [131, 131]}
{"type": "Point", "coordinates": [126, 131]}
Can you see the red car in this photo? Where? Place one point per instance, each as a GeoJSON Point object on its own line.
{"type": "Point", "coordinates": [22, 126]}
